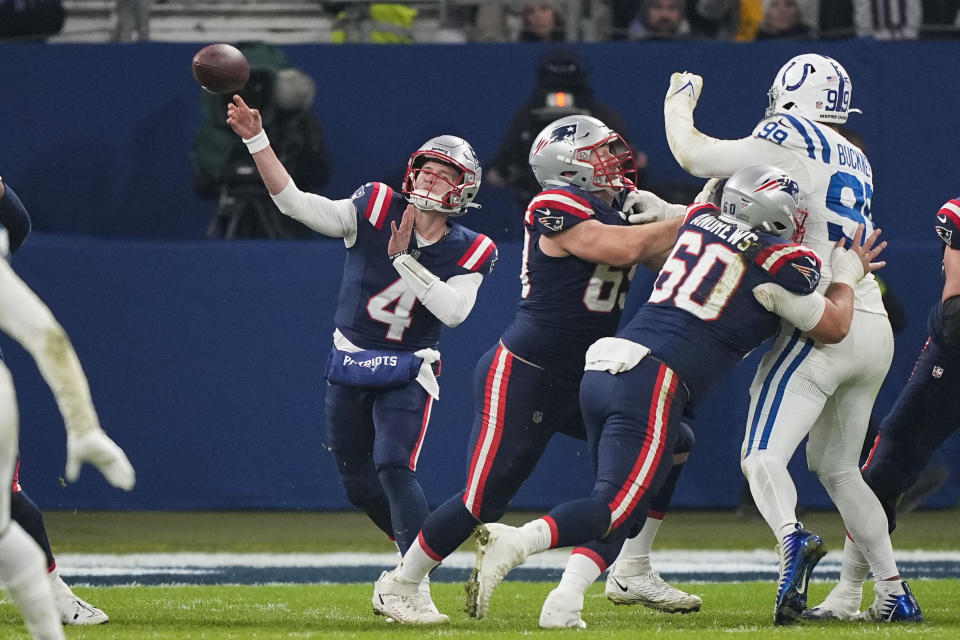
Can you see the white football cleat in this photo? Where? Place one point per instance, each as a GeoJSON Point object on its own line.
{"type": "Point", "coordinates": [650, 590]}
{"type": "Point", "coordinates": [500, 548]}
{"type": "Point", "coordinates": [404, 601]}
{"type": "Point", "coordinates": [73, 611]}
{"type": "Point", "coordinates": [842, 603]}
{"type": "Point", "coordinates": [561, 610]}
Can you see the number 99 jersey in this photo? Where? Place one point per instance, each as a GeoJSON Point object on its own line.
{"type": "Point", "coordinates": [836, 181]}
{"type": "Point", "coordinates": [701, 318]}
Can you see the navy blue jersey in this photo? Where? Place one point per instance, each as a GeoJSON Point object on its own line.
{"type": "Point", "coordinates": [566, 303]}
{"type": "Point", "coordinates": [701, 318]}
{"type": "Point", "coordinates": [948, 228]}
{"type": "Point", "coordinates": [375, 309]}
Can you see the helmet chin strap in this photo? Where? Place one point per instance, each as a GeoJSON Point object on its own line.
{"type": "Point", "coordinates": [419, 199]}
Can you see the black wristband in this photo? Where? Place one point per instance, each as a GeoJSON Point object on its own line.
{"type": "Point", "coordinates": [398, 254]}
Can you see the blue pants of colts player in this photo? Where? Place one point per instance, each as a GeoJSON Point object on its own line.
{"type": "Point", "coordinates": [926, 413]}
{"type": "Point", "coordinates": [376, 436]}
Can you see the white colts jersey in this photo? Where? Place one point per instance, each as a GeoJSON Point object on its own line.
{"type": "Point", "coordinates": [836, 182]}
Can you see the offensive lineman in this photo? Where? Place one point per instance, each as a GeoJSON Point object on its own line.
{"type": "Point", "coordinates": [579, 257]}
{"type": "Point", "coordinates": [803, 388]}
{"type": "Point", "coordinates": [24, 317]}
{"type": "Point", "coordinates": [720, 294]}
{"type": "Point", "coordinates": [409, 271]}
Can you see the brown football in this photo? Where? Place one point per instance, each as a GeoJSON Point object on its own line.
{"type": "Point", "coordinates": [220, 68]}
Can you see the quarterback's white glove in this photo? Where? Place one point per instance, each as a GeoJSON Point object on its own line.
{"type": "Point", "coordinates": [847, 266]}
{"type": "Point", "coordinates": [98, 449]}
{"type": "Point", "coordinates": [684, 89]}
{"type": "Point", "coordinates": [641, 207]}
{"type": "Point", "coordinates": [712, 192]}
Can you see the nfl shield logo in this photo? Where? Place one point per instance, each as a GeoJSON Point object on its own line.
{"type": "Point", "coordinates": [937, 372]}
{"type": "Point", "coordinates": [537, 417]}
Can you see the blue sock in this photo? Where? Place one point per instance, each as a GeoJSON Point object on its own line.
{"type": "Point", "coordinates": [449, 526]}
{"type": "Point", "coordinates": [408, 506]}
{"type": "Point", "coordinates": [580, 521]}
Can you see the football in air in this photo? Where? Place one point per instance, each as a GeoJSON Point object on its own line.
{"type": "Point", "coordinates": [221, 68]}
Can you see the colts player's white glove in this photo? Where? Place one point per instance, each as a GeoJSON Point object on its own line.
{"type": "Point", "coordinates": [98, 449]}
{"type": "Point", "coordinates": [712, 192]}
{"type": "Point", "coordinates": [641, 207]}
{"type": "Point", "coordinates": [684, 90]}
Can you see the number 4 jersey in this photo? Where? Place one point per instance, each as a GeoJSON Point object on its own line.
{"type": "Point", "coordinates": [701, 318]}
{"type": "Point", "coordinates": [566, 303]}
{"type": "Point", "coordinates": [375, 309]}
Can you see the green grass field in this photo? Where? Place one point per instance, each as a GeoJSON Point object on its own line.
{"type": "Point", "coordinates": [343, 611]}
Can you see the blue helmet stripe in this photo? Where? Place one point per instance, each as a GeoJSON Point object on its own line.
{"type": "Point", "coordinates": [806, 136]}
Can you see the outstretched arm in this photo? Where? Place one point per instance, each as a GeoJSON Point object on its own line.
{"type": "Point", "coordinates": [334, 218]}
{"type": "Point", "coordinates": [700, 154]}
{"type": "Point", "coordinates": [27, 319]}
{"type": "Point", "coordinates": [615, 245]}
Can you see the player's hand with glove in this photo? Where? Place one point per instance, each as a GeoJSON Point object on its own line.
{"type": "Point", "coordinates": [851, 265]}
{"type": "Point", "coordinates": [96, 448]}
{"type": "Point", "coordinates": [712, 192]}
{"type": "Point", "coordinates": [684, 90]}
{"type": "Point", "coordinates": [641, 207]}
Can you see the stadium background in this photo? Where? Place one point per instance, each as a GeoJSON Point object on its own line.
{"type": "Point", "coordinates": [205, 358]}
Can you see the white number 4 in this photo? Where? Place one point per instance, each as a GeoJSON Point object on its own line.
{"type": "Point", "coordinates": [392, 307]}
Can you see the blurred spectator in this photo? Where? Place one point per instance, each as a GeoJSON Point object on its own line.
{"type": "Point", "coordinates": [30, 20]}
{"type": "Point", "coordinates": [374, 23]}
{"type": "Point", "coordinates": [836, 19]}
{"type": "Point", "coordinates": [542, 22]}
{"type": "Point", "coordinates": [562, 88]}
{"type": "Point", "coordinates": [734, 19]}
{"type": "Point", "coordinates": [659, 19]}
{"type": "Point", "coordinates": [782, 19]}
{"type": "Point", "coordinates": [223, 168]}
{"type": "Point", "coordinates": [888, 19]}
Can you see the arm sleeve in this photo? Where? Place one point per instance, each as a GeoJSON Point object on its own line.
{"type": "Point", "coordinates": [25, 318]}
{"type": "Point", "coordinates": [450, 301]}
{"type": "Point", "coordinates": [334, 218]}
{"type": "Point", "coordinates": [707, 157]}
{"type": "Point", "coordinates": [802, 311]}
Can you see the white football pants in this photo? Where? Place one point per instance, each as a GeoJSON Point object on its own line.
{"type": "Point", "coordinates": [23, 571]}
{"type": "Point", "coordinates": [825, 392]}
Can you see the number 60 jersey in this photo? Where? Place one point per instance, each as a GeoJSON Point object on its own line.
{"type": "Point", "coordinates": [701, 318]}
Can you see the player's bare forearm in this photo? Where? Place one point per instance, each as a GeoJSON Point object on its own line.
{"type": "Point", "coordinates": [656, 241]}
{"type": "Point", "coordinates": [837, 315]}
